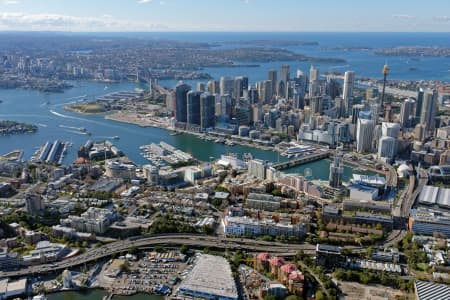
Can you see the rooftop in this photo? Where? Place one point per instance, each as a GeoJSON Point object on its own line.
{"type": "Point", "coordinates": [431, 291]}
{"type": "Point", "coordinates": [211, 275]}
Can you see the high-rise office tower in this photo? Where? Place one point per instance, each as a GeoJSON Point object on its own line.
{"type": "Point", "coordinates": [226, 85]}
{"type": "Point", "coordinates": [272, 76]}
{"type": "Point", "coordinates": [207, 106]}
{"type": "Point", "coordinates": [390, 129]}
{"type": "Point", "coordinates": [349, 82]}
{"type": "Point", "coordinates": [237, 88]}
{"type": "Point", "coordinates": [225, 101]}
{"type": "Point", "coordinates": [213, 87]}
{"type": "Point", "coordinates": [240, 87]}
{"type": "Point", "coordinates": [313, 74]}
{"type": "Point", "coordinates": [285, 74]}
{"type": "Point", "coordinates": [356, 109]}
{"type": "Point", "coordinates": [201, 86]}
{"type": "Point", "coordinates": [266, 91]}
{"type": "Point", "coordinates": [316, 105]}
{"type": "Point", "coordinates": [387, 149]}
{"type": "Point", "coordinates": [364, 133]}
{"type": "Point", "coordinates": [285, 77]}
{"type": "Point", "coordinates": [193, 107]}
{"type": "Point", "coordinates": [314, 82]}
{"type": "Point", "coordinates": [336, 171]}
{"type": "Point", "coordinates": [406, 112]}
{"type": "Point", "coordinates": [429, 109]}
{"type": "Point", "coordinates": [419, 103]}
{"type": "Point", "coordinates": [180, 102]}
{"type": "Point", "coordinates": [332, 87]}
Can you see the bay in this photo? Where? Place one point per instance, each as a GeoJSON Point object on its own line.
{"type": "Point", "coordinates": [96, 294]}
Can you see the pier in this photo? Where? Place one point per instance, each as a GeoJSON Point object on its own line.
{"type": "Point", "coordinates": [301, 160]}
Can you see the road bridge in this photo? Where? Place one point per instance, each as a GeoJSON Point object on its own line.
{"type": "Point", "coordinates": [301, 160]}
{"type": "Point", "coordinates": [194, 240]}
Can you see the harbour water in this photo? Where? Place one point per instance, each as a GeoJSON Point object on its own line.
{"type": "Point", "coordinates": [47, 110]}
{"type": "Point", "coordinates": [97, 294]}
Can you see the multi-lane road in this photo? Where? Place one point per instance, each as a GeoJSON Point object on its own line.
{"type": "Point", "coordinates": [194, 240]}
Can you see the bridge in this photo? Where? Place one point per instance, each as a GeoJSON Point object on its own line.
{"type": "Point", "coordinates": [141, 242]}
{"type": "Point", "coordinates": [301, 160]}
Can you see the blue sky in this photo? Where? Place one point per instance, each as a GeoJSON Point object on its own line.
{"type": "Point", "coordinates": [226, 15]}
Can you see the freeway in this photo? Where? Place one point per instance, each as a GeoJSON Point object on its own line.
{"type": "Point", "coordinates": [406, 202]}
{"type": "Point", "coordinates": [194, 240]}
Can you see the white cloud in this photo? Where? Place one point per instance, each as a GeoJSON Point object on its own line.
{"type": "Point", "coordinates": [143, 1]}
{"type": "Point", "coordinates": [442, 18]}
{"type": "Point", "coordinates": [11, 2]}
{"type": "Point", "coordinates": [404, 17]}
{"type": "Point", "coordinates": [22, 21]}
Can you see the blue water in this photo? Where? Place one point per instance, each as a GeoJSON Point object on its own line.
{"type": "Point", "coordinates": [30, 106]}
{"type": "Point", "coordinates": [363, 62]}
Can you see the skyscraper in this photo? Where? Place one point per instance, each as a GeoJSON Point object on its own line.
{"type": "Point", "coordinates": [429, 109]}
{"type": "Point", "coordinates": [226, 85]}
{"type": "Point", "coordinates": [419, 103]}
{"type": "Point", "coordinates": [406, 112]}
{"type": "Point", "coordinates": [349, 82]}
{"type": "Point", "coordinates": [213, 87]}
{"type": "Point", "coordinates": [336, 171]}
{"type": "Point", "coordinates": [387, 149]}
{"type": "Point", "coordinates": [207, 106]}
{"type": "Point", "coordinates": [180, 102]}
{"type": "Point", "coordinates": [193, 108]}
{"type": "Point", "coordinates": [313, 74]}
{"type": "Point", "coordinates": [364, 133]}
{"type": "Point", "coordinates": [272, 76]}
{"type": "Point", "coordinates": [314, 82]}
{"type": "Point", "coordinates": [267, 92]}
{"type": "Point", "coordinates": [285, 74]}
{"type": "Point", "coordinates": [390, 129]}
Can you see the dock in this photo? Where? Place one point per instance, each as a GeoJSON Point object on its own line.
{"type": "Point", "coordinates": [301, 160]}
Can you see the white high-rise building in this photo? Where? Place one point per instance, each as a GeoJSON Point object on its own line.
{"type": "Point", "coordinates": [364, 134]}
{"type": "Point", "coordinates": [257, 168]}
{"type": "Point", "coordinates": [387, 148]}
{"type": "Point", "coordinates": [226, 85]}
{"type": "Point", "coordinates": [349, 82]}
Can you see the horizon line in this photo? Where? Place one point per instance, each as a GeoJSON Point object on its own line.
{"type": "Point", "coordinates": [215, 31]}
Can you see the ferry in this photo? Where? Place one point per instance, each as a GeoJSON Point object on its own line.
{"type": "Point", "coordinates": [116, 137]}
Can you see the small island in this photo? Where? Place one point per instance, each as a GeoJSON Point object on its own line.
{"type": "Point", "coordinates": [87, 108]}
{"type": "Point", "coordinates": [11, 127]}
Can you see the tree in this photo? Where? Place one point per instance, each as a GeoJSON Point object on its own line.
{"type": "Point", "coordinates": [320, 295]}
{"type": "Point", "coordinates": [133, 250]}
{"type": "Point", "coordinates": [184, 249]}
{"type": "Point", "coordinates": [125, 266]}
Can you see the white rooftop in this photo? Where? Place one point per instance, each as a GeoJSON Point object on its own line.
{"type": "Point", "coordinates": [211, 275]}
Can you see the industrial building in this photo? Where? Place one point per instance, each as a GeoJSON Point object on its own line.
{"type": "Point", "coordinates": [431, 291]}
{"type": "Point", "coordinates": [211, 278]}
{"type": "Point", "coordinates": [426, 222]}
{"type": "Point", "coordinates": [433, 195]}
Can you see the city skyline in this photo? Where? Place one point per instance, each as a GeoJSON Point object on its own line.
{"type": "Point", "coordinates": [202, 15]}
